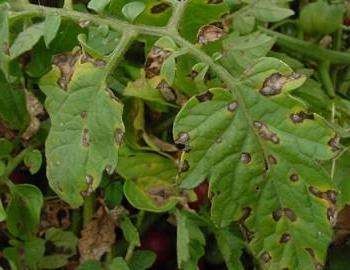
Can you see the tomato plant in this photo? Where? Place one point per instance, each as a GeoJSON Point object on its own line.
{"type": "Point", "coordinates": [167, 134]}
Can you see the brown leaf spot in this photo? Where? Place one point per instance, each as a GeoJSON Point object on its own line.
{"type": "Point", "coordinates": [277, 214]}
{"type": "Point", "coordinates": [332, 215]}
{"type": "Point", "coordinates": [245, 158]}
{"type": "Point", "coordinates": [289, 213]}
{"type": "Point", "coordinates": [247, 234]}
{"type": "Point", "coordinates": [232, 106]}
{"type": "Point", "coordinates": [245, 214]}
{"type": "Point", "coordinates": [329, 195]}
{"type": "Point", "coordinates": [294, 177]}
{"type": "Point", "coordinates": [119, 136]}
{"type": "Point", "coordinates": [265, 133]}
{"type": "Point", "coordinates": [301, 116]}
{"type": "Point", "coordinates": [86, 58]}
{"type": "Point", "coordinates": [159, 194]}
{"type": "Point", "coordinates": [209, 33]}
{"type": "Point", "coordinates": [265, 257]}
{"type": "Point", "coordinates": [56, 214]}
{"type": "Point", "coordinates": [167, 92]}
{"type": "Point", "coordinates": [206, 96]}
{"type": "Point", "coordinates": [109, 169]}
{"type": "Point", "coordinates": [85, 138]}
{"type": "Point", "coordinates": [154, 61]}
{"type": "Point", "coordinates": [273, 84]}
{"type": "Point", "coordinates": [159, 8]}
{"type": "Point", "coordinates": [182, 138]}
{"type": "Point", "coordinates": [97, 237]}
{"type": "Point", "coordinates": [285, 238]}
{"type": "Point", "coordinates": [311, 252]}
{"type": "Point", "coordinates": [66, 62]}
{"type": "Point", "coordinates": [334, 143]}
{"type": "Point", "coordinates": [214, 2]}
{"type": "Point", "coordinates": [272, 160]}
{"type": "Point", "coordinates": [84, 23]}
{"type": "Point", "coordinates": [184, 167]}
{"type": "Point", "coordinates": [89, 179]}
{"type": "Point", "coordinates": [83, 114]}
{"type": "Point", "coordinates": [35, 109]}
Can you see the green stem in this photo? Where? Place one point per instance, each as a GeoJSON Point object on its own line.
{"type": "Point", "coordinates": [68, 4]}
{"type": "Point", "coordinates": [76, 221]}
{"type": "Point", "coordinates": [88, 209]}
{"type": "Point", "coordinates": [178, 12]}
{"type": "Point", "coordinates": [308, 49]}
{"type": "Point", "coordinates": [326, 78]}
{"type": "Point", "coordinates": [131, 248]}
{"type": "Point", "coordinates": [119, 51]}
{"type": "Point", "coordinates": [14, 162]}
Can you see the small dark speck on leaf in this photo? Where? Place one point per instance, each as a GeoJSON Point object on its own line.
{"type": "Point", "coordinates": [184, 166]}
{"type": "Point", "coordinates": [83, 115]}
{"type": "Point", "coordinates": [265, 257]}
{"type": "Point", "coordinates": [301, 116]}
{"type": "Point", "coordinates": [334, 143]}
{"type": "Point", "coordinates": [182, 138]}
{"type": "Point", "coordinates": [294, 177]}
{"type": "Point", "coordinates": [277, 214]}
{"type": "Point", "coordinates": [85, 138]}
{"type": "Point", "coordinates": [289, 213]}
{"type": "Point", "coordinates": [285, 238]}
{"type": "Point", "coordinates": [332, 215]}
{"type": "Point", "coordinates": [232, 106]}
{"type": "Point", "coordinates": [119, 135]}
{"type": "Point", "coordinates": [245, 158]}
{"type": "Point", "coordinates": [205, 96]}
{"type": "Point", "coordinates": [272, 160]}
{"type": "Point", "coordinates": [89, 179]}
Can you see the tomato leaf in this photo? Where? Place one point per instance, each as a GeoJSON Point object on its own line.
{"type": "Point", "coordinates": [86, 130]}
{"type": "Point", "coordinates": [51, 25]}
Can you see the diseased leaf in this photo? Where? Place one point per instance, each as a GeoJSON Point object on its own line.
{"type": "Point", "coordinates": [26, 40]}
{"type": "Point", "coordinates": [201, 13]}
{"type": "Point", "coordinates": [149, 180]}
{"type": "Point", "coordinates": [51, 25]}
{"type": "Point", "coordinates": [259, 146]}
{"type": "Point", "coordinates": [23, 211]}
{"type": "Point", "coordinates": [86, 130]}
{"type": "Point", "coordinates": [97, 237]}
{"type": "Point", "coordinates": [168, 70]}
{"type": "Point", "coordinates": [243, 23]}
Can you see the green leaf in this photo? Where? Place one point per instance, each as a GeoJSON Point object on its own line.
{"type": "Point", "coordinates": [90, 265]}
{"type": "Point", "coordinates": [133, 9]}
{"type": "Point", "coordinates": [6, 148]}
{"type": "Point", "coordinates": [51, 25]}
{"type": "Point", "coordinates": [197, 14]}
{"type": "Point", "coordinates": [54, 261]}
{"type": "Point", "coordinates": [130, 231]}
{"type": "Point", "coordinates": [190, 242]}
{"type": "Point", "coordinates": [2, 212]}
{"type": "Point", "coordinates": [268, 11]}
{"type": "Point", "coordinates": [243, 23]}
{"type": "Point", "coordinates": [23, 211]}
{"type": "Point", "coordinates": [26, 40]}
{"type": "Point", "coordinates": [240, 52]}
{"type": "Point", "coordinates": [231, 248]}
{"type": "Point", "coordinates": [32, 250]}
{"type": "Point", "coordinates": [142, 260]}
{"type": "Point", "coordinates": [168, 70]}
{"type": "Point", "coordinates": [4, 42]}
{"type": "Point", "coordinates": [63, 239]}
{"type": "Point", "coordinates": [149, 180]}
{"type": "Point", "coordinates": [321, 18]}
{"type": "Point", "coordinates": [259, 149]}
{"type": "Point", "coordinates": [166, 43]}
{"type": "Point", "coordinates": [98, 5]}
{"type": "Point", "coordinates": [86, 130]}
{"type": "Point", "coordinates": [33, 160]}
{"type": "Point", "coordinates": [2, 168]}
{"type": "Point", "coordinates": [114, 194]}
{"type": "Point", "coordinates": [12, 105]}
{"type": "Point", "coordinates": [100, 41]}
{"type": "Point", "coordinates": [118, 264]}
